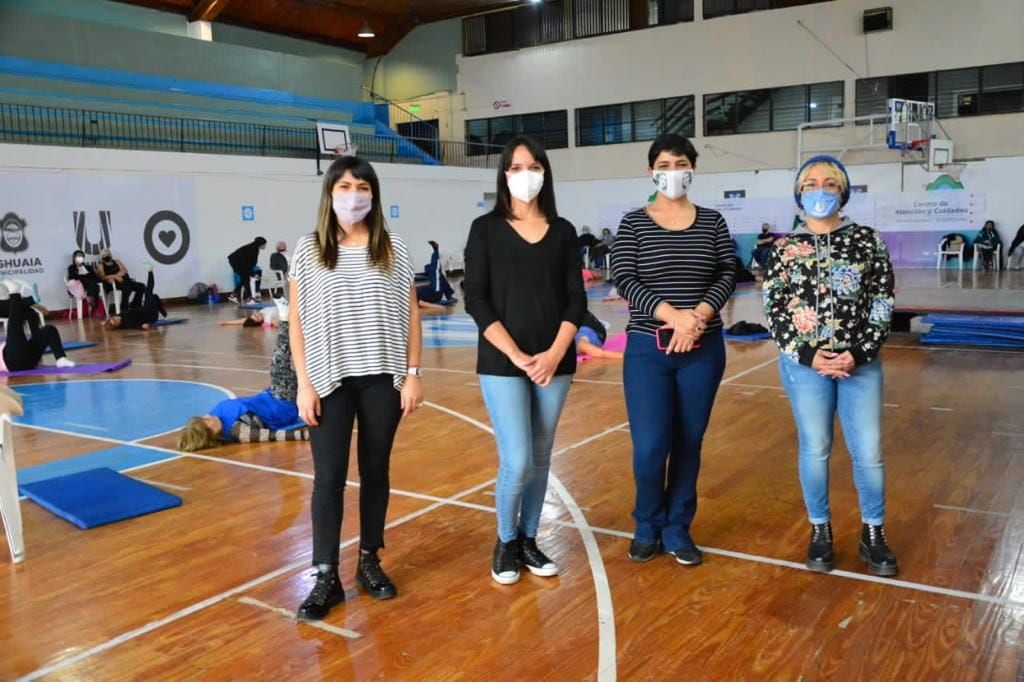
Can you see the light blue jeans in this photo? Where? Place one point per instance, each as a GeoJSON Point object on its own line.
{"type": "Point", "coordinates": [524, 417]}
{"type": "Point", "coordinates": [858, 400]}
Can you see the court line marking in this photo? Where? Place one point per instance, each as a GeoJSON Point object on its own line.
{"type": "Point", "coordinates": [86, 426]}
{"type": "Point", "coordinates": [226, 369]}
{"type": "Point", "coordinates": [212, 601]}
{"type": "Point", "coordinates": [162, 484]}
{"type": "Point", "coordinates": [935, 408]}
{"type": "Point", "coordinates": [290, 615]}
{"type": "Point", "coordinates": [969, 510]}
{"type": "Point", "coordinates": [606, 648]}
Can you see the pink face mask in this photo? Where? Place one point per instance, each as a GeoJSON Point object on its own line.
{"type": "Point", "coordinates": [351, 207]}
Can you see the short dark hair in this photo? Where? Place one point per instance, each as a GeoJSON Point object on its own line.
{"type": "Point", "coordinates": [676, 144]}
{"type": "Point", "coordinates": [546, 198]}
{"type": "Point", "coordinates": [260, 241]}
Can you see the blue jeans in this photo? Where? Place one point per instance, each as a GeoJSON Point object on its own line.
{"type": "Point", "coordinates": [669, 400]}
{"type": "Point", "coordinates": [858, 399]}
{"type": "Point", "coordinates": [524, 417]}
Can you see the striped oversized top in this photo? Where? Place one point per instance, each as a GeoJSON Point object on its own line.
{"type": "Point", "coordinates": [683, 268]}
{"type": "Point", "coordinates": [354, 318]}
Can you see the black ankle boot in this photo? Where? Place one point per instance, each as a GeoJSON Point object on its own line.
{"type": "Point", "coordinates": [819, 551]}
{"type": "Point", "coordinates": [505, 562]}
{"type": "Point", "coordinates": [875, 551]}
{"type": "Point", "coordinates": [372, 578]}
{"type": "Point", "coordinates": [533, 559]}
{"type": "Point", "coordinates": [326, 593]}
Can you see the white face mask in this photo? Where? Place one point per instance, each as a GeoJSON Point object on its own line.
{"type": "Point", "coordinates": [525, 185]}
{"type": "Point", "coordinates": [673, 184]}
{"type": "Point", "coordinates": [351, 207]}
{"type": "Point", "coordinates": [79, 260]}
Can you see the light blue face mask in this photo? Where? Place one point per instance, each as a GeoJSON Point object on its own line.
{"type": "Point", "coordinates": [820, 203]}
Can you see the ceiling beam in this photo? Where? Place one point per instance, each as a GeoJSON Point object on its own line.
{"type": "Point", "coordinates": [207, 10]}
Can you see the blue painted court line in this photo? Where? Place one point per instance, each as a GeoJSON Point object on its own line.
{"type": "Point", "coordinates": [117, 458]}
{"type": "Point", "coordinates": [124, 409]}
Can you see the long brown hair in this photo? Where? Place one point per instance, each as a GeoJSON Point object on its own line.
{"type": "Point", "coordinates": [327, 227]}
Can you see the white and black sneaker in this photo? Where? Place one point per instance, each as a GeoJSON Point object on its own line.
{"type": "Point", "coordinates": [536, 561]}
{"type": "Point", "coordinates": [505, 564]}
{"type": "Point", "coordinates": [687, 556]}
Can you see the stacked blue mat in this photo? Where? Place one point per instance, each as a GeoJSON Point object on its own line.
{"type": "Point", "coordinates": [991, 331]}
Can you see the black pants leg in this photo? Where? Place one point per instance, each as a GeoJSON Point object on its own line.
{"type": "Point", "coordinates": [378, 411]}
{"type": "Point", "coordinates": [378, 406]}
{"type": "Point", "coordinates": [20, 351]}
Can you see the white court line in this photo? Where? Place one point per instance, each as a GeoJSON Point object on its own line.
{"type": "Point", "coordinates": [935, 408]}
{"type": "Point", "coordinates": [162, 484]}
{"type": "Point", "coordinates": [1008, 433]}
{"type": "Point", "coordinates": [226, 369]}
{"type": "Point", "coordinates": [890, 405]}
{"type": "Point", "coordinates": [290, 615]}
{"type": "Point", "coordinates": [969, 510]}
{"type": "Point", "coordinates": [85, 426]}
{"type": "Point", "coordinates": [215, 599]}
{"type": "Point", "coordinates": [185, 350]}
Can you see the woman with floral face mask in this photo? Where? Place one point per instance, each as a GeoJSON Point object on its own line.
{"type": "Point", "coordinates": [828, 295]}
{"type": "Point", "coordinates": [524, 289]}
{"type": "Point", "coordinates": [674, 262]}
{"type": "Point", "coordinates": [354, 330]}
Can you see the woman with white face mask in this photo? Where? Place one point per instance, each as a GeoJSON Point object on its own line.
{"type": "Point", "coordinates": [354, 330]}
{"type": "Point", "coordinates": [828, 295]}
{"type": "Point", "coordinates": [674, 262]}
{"type": "Point", "coordinates": [85, 273]}
{"type": "Point", "coordinates": [524, 289]}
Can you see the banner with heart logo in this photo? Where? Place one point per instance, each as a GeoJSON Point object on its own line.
{"type": "Point", "coordinates": [45, 217]}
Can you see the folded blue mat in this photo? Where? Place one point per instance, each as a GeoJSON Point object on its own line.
{"type": "Point", "coordinates": [1000, 321]}
{"type": "Point", "coordinates": [97, 497]}
{"type": "Point", "coordinates": [747, 337]}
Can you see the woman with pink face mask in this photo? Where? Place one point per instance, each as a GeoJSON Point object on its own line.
{"type": "Point", "coordinates": [355, 335]}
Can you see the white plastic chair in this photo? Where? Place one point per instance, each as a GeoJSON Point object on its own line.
{"type": "Point", "coordinates": [996, 257]}
{"type": "Point", "coordinates": [10, 506]}
{"type": "Point", "coordinates": [277, 282]}
{"type": "Point", "coordinates": [114, 300]}
{"type": "Point", "coordinates": [944, 251]}
{"type": "Point", "coordinates": [75, 304]}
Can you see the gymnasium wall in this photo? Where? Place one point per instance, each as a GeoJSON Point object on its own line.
{"type": "Point", "coordinates": [432, 203]}
{"type": "Point", "coordinates": [756, 50]}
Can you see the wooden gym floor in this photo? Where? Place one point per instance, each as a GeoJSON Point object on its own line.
{"type": "Point", "coordinates": [207, 590]}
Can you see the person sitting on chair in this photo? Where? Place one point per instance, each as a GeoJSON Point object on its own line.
{"type": "Point", "coordinates": [19, 352]}
{"type": "Point", "coordinates": [279, 263]}
{"type": "Point", "coordinates": [113, 272]}
{"type": "Point", "coordinates": [84, 273]}
{"type": "Point", "coordinates": [144, 316]}
{"type": "Point", "coordinates": [763, 246]}
{"type": "Point", "coordinates": [986, 242]}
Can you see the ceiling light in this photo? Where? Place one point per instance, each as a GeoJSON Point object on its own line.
{"type": "Point", "coordinates": [366, 31]}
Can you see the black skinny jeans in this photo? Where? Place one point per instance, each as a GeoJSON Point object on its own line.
{"type": "Point", "coordinates": [376, 405]}
{"type": "Point", "coordinates": [22, 352]}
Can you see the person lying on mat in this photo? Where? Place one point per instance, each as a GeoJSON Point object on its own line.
{"type": "Point", "coordinates": [144, 316]}
{"type": "Point", "coordinates": [590, 339]}
{"type": "Point", "coordinates": [262, 418]}
{"type": "Point", "coordinates": [265, 317]}
{"type": "Point", "coordinates": [20, 352]}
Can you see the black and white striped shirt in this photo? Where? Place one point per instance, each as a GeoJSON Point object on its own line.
{"type": "Point", "coordinates": [354, 318]}
{"type": "Point", "coordinates": [683, 268]}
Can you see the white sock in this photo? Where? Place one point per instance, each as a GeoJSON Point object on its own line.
{"type": "Point", "coordinates": [65, 362]}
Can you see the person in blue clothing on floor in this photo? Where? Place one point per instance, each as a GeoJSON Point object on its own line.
{"type": "Point", "coordinates": [437, 290]}
{"type": "Point", "coordinates": [271, 415]}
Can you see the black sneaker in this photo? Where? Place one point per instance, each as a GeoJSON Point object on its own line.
{"type": "Point", "coordinates": [688, 556]}
{"type": "Point", "coordinates": [505, 564]}
{"type": "Point", "coordinates": [642, 551]}
{"type": "Point", "coordinates": [533, 559]}
{"type": "Point", "coordinates": [372, 578]}
{"type": "Point", "coordinates": [876, 553]}
{"type": "Point", "coordinates": [326, 593]}
{"type": "Point", "coordinates": [819, 551]}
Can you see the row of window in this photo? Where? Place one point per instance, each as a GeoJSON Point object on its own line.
{"type": "Point", "coordinates": [980, 90]}
{"type": "Point", "coordinates": [553, 21]}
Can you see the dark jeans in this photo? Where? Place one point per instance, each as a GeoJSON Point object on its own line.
{"type": "Point", "coordinates": [761, 254]}
{"type": "Point", "coordinates": [669, 400]}
{"type": "Point", "coordinates": [374, 402]}
{"type": "Point", "coordinates": [148, 313]}
{"type": "Point", "coordinates": [22, 352]}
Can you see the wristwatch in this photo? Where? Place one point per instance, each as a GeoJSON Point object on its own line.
{"type": "Point", "coordinates": [414, 372]}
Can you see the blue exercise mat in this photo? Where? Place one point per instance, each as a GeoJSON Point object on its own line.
{"type": "Point", "coordinates": [984, 321]}
{"type": "Point", "coordinates": [944, 340]}
{"type": "Point", "coordinates": [169, 320]}
{"type": "Point", "coordinates": [747, 337]}
{"type": "Point", "coordinates": [97, 497]}
{"type": "Point", "coordinates": [68, 345]}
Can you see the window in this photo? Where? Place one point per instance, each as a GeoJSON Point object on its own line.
{"type": "Point", "coordinates": [761, 111]}
{"type": "Point", "coordinates": [634, 121]}
{"type": "Point", "coordinates": [972, 91]}
{"type": "Point", "coordinates": [664, 12]}
{"type": "Point", "coordinates": [722, 8]}
{"type": "Point", "coordinates": [486, 135]}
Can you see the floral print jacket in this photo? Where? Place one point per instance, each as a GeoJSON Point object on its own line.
{"type": "Point", "coordinates": [832, 292]}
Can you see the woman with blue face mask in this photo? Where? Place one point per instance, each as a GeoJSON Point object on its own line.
{"type": "Point", "coordinates": [828, 295]}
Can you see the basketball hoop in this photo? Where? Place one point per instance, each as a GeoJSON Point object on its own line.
{"type": "Point", "coordinates": [345, 150]}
